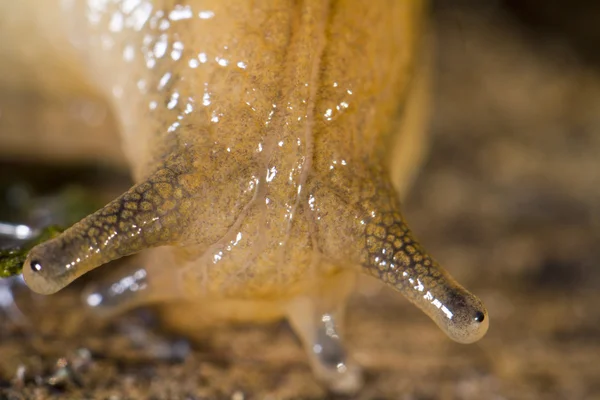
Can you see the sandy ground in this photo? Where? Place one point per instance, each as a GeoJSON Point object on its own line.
{"type": "Point", "coordinates": [508, 201]}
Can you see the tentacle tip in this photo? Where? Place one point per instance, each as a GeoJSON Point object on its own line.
{"type": "Point", "coordinates": [461, 315]}
{"type": "Point", "coordinates": [345, 379]}
{"type": "Point", "coordinates": [37, 276]}
{"type": "Point", "coordinates": [348, 383]}
{"type": "Point", "coordinates": [471, 327]}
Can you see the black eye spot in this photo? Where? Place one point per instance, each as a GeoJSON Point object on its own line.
{"type": "Point", "coordinates": [35, 266]}
{"type": "Point", "coordinates": [479, 316]}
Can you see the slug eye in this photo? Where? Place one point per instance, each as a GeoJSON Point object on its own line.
{"type": "Point", "coordinates": [479, 316]}
{"type": "Point", "coordinates": [35, 265]}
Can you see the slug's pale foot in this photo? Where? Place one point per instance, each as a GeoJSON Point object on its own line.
{"type": "Point", "coordinates": [318, 320]}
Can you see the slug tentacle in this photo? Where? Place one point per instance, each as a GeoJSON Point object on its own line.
{"type": "Point", "coordinates": [150, 214]}
{"type": "Point", "coordinates": [395, 257]}
{"type": "Point", "coordinates": [318, 320]}
{"type": "Point", "coordinates": [370, 229]}
{"type": "Point", "coordinates": [137, 282]}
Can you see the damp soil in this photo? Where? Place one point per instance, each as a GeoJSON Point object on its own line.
{"type": "Point", "coordinates": [508, 201]}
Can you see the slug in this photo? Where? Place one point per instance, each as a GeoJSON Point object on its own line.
{"type": "Point", "coordinates": [270, 142]}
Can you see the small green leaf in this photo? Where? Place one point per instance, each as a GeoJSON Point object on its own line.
{"type": "Point", "coordinates": [12, 259]}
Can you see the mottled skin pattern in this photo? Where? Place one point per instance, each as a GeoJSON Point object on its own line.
{"type": "Point", "coordinates": [262, 137]}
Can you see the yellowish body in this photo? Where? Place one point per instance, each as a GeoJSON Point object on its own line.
{"type": "Point", "coordinates": [270, 142]}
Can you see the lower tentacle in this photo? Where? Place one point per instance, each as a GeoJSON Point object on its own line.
{"type": "Point", "coordinates": [318, 318]}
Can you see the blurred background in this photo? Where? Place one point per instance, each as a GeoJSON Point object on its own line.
{"type": "Point", "coordinates": [508, 201]}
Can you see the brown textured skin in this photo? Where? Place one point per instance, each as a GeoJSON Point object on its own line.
{"type": "Point", "coordinates": [259, 183]}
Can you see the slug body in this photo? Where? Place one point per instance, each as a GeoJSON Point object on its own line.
{"type": "Point", "coordinates": [263, 140]}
